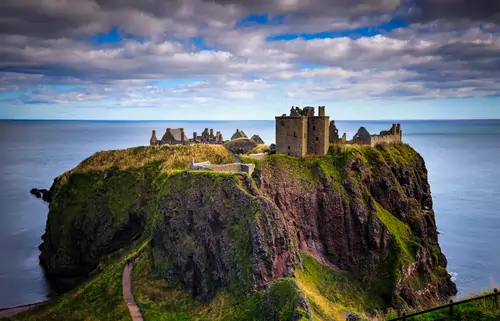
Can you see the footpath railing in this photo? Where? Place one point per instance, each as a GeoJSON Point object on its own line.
{"type": "Point", "coordinates": [450, 306]}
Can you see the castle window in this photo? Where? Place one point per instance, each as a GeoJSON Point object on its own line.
{"type": "Point", "coordinates": [314, 127]}
{"type": "Point", "coordinates": [288, 147]}
{"type": "Point", "coordinates": [317, 139]}
{"type": "Point", "coordinates": [282, 123]}
{"type": "Point", "coordinates": [294, 134]}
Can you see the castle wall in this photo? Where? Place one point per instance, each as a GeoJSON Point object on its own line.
{"type": "Point", "coordinates": [291, 135]}
{"type": "Point", "coordinates": [235, 167]}
{"type": "Point", "coordinates": [318, 135]}
{"type": "Point", "coordinates": [386, 139]}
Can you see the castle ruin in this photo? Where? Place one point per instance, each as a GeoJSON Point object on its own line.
{"type": "Point", "coordinates": [235, 167]}
{"type": "Point", "coordinates": [302, 133]}
{"type": "Point", "coordinates": [177, 136]}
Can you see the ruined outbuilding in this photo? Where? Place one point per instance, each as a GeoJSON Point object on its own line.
{"type": "Point", "coordinates": [238, 134]}
{"type": "Point", "coordinates": [177, 136]}
{"type": "Point", "coordinates": [257, 140]}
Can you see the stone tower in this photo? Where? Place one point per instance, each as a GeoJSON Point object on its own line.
{"type": "Point", "coordinates": [291, 133]}
{"type": "Point", "coordinates": [302, 132]}
{"type": "Point", "coordinates": [318, 133]}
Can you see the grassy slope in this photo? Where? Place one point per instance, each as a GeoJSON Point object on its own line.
{"type": "Point", "coordinates": [481, 310]}
{"type": "Point", "coordinates": [160, 301]}
{"type": "Point", "coordinates": [100, 298]}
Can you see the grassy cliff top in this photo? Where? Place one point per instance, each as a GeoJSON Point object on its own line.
{"type": "Point", "coordinates": [167, 157]}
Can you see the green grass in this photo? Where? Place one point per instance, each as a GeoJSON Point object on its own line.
{"type": "Point", "coordinates": [167, 157]}
{"type": "Point", "coordinates": [159, 300]}
{"type": "Point", "coordinates": [260, 148]}
{"type": "Point", "coordinates": [100, 298]}
{"type": "Point", "coordinates": [480, 310]}
{"type": "Point", "coordinates": [138, 178]}
{"type": "Point", "coordinates": [332, 294]}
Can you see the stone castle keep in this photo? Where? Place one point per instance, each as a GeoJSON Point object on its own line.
{"type": "Point", "coordinates": [303, 133]}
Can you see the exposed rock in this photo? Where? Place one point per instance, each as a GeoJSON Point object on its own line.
{"type": "Point", "coordinates": [37, 192]}
{"type": "Point", "coordinates": [43, 193]}
{"type": "Point", "coordinates": [257, 140]}
{"type": "Point", "coordinates": [240, 146]}
{"type": "Point", "coordinates": [220, 233]}
{"type": "Point", "coordinates": [368, 214]}
{"type": "Point", "coordinates": [355, 317]}
{"type": "Point", "coordinates": [339, 221]}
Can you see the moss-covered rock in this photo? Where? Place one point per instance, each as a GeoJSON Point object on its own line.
{"type": "Point", "coordinates": [363, 212]}
{"type": "Point", "coordinates": [215, 230]}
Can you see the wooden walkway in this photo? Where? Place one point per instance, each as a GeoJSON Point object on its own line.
{"type": "Point", "coordinates": [127, 293]}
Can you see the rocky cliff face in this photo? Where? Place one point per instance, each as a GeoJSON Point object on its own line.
{"type": "Point", "coordinates": [215, 230]}
{"type": "Point", "coordinates": [366, 211]}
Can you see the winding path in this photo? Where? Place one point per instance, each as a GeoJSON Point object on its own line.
{"type": "Point", "coordinates": [9, 312]}
{"type": "Point", "coordinates": [127, 292]}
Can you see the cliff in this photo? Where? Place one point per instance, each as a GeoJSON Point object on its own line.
{"type": "Point", "coordinates": [353, 230]}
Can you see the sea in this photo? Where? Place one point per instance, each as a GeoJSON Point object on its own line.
{"type": "Point", "coordinates": [462, 157]}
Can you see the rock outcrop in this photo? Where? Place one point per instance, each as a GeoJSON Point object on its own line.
{"type": "Point", "coordinates": [216, 231]}
{"type": "Point", "coordinates": [370, 214]}
{"type": "Point", "coordinates": [43, 193]}
{"type": "Point", "coordinates": [362, 210]}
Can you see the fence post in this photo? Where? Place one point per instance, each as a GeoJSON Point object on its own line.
{"type": "Point", "coordinates": [451, 309]}
{"type": "Point", "coordinates": [496, 297]}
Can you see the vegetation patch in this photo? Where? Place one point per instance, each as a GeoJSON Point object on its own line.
{"type": "Point", "coordinates": [159, 300]}
{"type": "Point", "coordinates": [480, 310]}
{"type": "Point", "coordinates": [332, 294]}
{"type": "Point", "coordinates": [100, 298]}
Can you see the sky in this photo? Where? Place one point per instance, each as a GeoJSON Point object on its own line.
{"type": "Point", "coordinates": [239, 59]}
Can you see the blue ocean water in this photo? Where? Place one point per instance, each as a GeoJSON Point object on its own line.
{"type": "Point", "coordinates": [463, 159]}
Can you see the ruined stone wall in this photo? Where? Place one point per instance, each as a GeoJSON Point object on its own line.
{"type": "Point", "coordinates": [387, 139]}
{"type": "Point", "coordinates": [291, 135]}
{"type": "Point", "coordinates": [235, 167]}
{"type": "Point", "coordinates": [318, 133]}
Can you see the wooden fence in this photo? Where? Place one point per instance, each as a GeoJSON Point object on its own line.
{"type": "Point", "coordinates": [450, 306]}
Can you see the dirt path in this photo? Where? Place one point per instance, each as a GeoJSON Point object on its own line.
{"type": "Point", "coordinates": [127, 293]}
{"type": "Point", "coordinates": [5, 313]}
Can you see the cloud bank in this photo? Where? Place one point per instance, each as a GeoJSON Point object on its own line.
{"type": "Point", "coordinates": [160, 53]}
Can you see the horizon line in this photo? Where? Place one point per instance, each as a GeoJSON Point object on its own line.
{"type": "Point", "coordinates": [229, 120]}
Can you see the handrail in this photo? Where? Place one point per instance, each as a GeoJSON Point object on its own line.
{"type": "Point", "coordinates": [450, 305]}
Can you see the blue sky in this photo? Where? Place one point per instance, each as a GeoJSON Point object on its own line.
{"type": "Point", "coordinates": [228, 59]}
